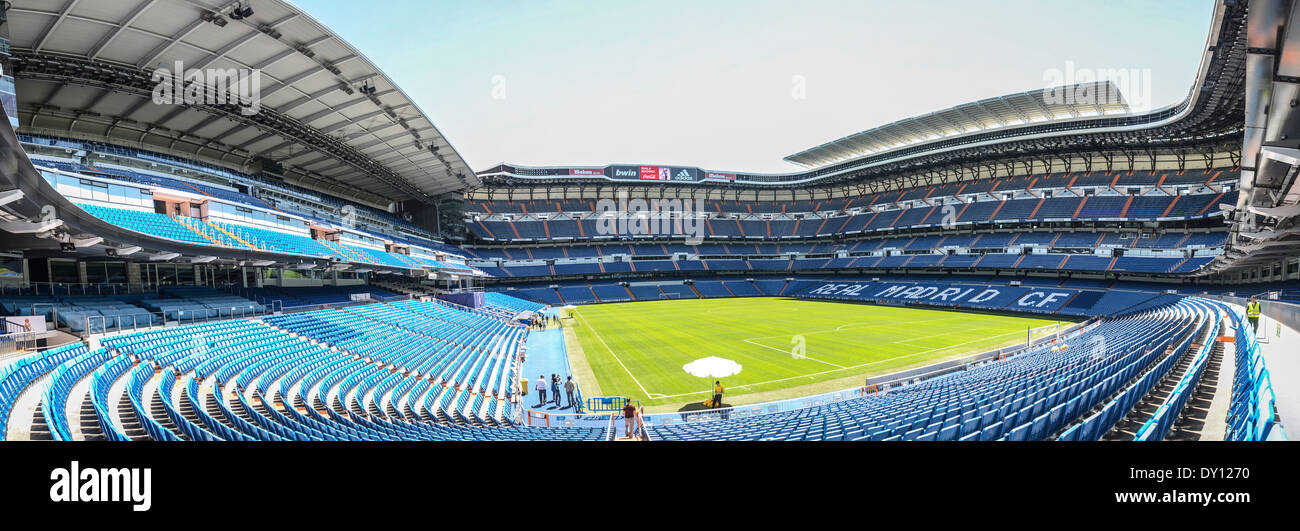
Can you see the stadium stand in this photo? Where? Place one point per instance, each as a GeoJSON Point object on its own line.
{"type": "Point", "coordinates": [204, 291]}
{"type": "Point", "coordinates": [375, 372]}
{"type": "Point", "coordinates": [1031, 396]}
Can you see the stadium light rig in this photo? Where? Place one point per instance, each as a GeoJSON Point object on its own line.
{"type": "Point", "coordinates": [242, 11]}
{"type": "Point", "coordinates": [214, 18]}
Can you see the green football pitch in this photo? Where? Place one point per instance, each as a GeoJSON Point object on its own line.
{"type": "Point", "coordinates": [786, 347]}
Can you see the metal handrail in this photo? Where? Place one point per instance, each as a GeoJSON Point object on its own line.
{"type": "Point", "coordinates": [71, 288]}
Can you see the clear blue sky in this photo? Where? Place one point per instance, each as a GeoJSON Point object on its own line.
{"type": "Point", "coordinates": [709, 82]}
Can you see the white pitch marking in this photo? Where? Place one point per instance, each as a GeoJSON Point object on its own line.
{"type": "Point", "coordinates": [611, 353]}
{"type": "Point", "coordinates": [851, 367]}
{"type": "Point", "coordinates": [786, 352]}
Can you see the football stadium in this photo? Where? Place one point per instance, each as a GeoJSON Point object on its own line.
{"type": "Point", "coordinates": [221, 221]}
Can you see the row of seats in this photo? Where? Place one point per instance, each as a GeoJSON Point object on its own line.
{"type": "Point", "coordinates": [194, 185]}
{"type": "Point", "coordinates": [1028, 262]}
{"type": "Point", "coordinates": [510, 304]}
{"type": "Point", "coordinates": [99, 314]}
{"type": "Point", "coordinates": [25, 371]}
{"type": "Point", "coordinates": [1030, 396]}
{"type": "Point", "coordinates": [581, 292]}
{"type": "Point", "coordinates": [81, 313]}
{"type": "Point", "coordinates": [1252, 413]}
{"type": "Point", "coordinates": [1076, 181]}
{"type": "Point", "coordinates": [189, 303]}
{"type": "Point", "coordinates": [1118, 293]}
{"type": "Point", "coordinates": [1133, 387]}
{"type": "Point", "coordinates": [223, 234]}
{"type": "Point", "coordinates": [970, 294]}
{"type": "Point", "coordinates": [397, 371]}
{"type": "Point", "coordinates": [1097, 208]}
{"type": "Point", "coordinates": [986, 241]}
{"type": "Point", "coordinates": [160, 225]}
{"type": "Point", "coordinates": [1089, 296]}
{"type": "Point", "coordinates": [1171, 408]}
{"type": "Point", "coordinates": [424, 371]}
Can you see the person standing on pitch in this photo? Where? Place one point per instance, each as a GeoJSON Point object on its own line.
{"type": "Point", "coordinates": [717, 393]}
{"type": "Point", "coordinates": [541, 390]}
{"type": "Point", "coordinates": [1252, 314]}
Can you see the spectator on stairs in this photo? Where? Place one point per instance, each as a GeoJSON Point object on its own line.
{"type": "Point", "coordinates": [629, 416]}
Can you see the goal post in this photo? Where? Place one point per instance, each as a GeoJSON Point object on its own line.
{"type": "Point", "coordinates": [1042, 333]}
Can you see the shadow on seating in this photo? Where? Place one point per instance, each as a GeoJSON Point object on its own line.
{"type": "Point", "coordinates": [699, 406]}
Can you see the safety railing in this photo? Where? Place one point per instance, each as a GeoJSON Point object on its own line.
{"type": "Point", "coordinates": [12, 341]}
{"type": "Point", "coordinates": [120, 323]}
{"type": "Point", "coordinates": [55, 289]}
{"type": "Point", "coordinates": [326, 306]}
{"type": "Point", "coordinates": [1252, 413]}
{"type": "Point", "coordinates": [641, 426]}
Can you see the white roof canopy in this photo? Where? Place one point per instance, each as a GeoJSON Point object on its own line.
{"type": "Point", "coordinates": [1059, 104]}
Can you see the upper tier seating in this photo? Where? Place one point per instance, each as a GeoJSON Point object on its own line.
{"type": "Point", "coordinates": [194, 185]}
{"type": "Point", "coordinates": [224, 234]}
{"type": "Point", "coordinates": [979, 213]}
{"type": "Point", "coordinates": [992, 260]}
{"type": "Point", "coordinates": [1101, 181]}
{"type": "Point", "coordinates": [160, 225]}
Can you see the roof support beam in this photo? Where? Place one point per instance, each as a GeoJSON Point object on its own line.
{"type": "Point", "coordinates": [108, 39]}
{"type": "Point", "coordinates": [49, 30]}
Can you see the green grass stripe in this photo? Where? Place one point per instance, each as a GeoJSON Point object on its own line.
{"type": "Point", "coordinates": [638, 349]}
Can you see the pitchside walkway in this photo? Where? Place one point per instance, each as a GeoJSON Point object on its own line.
{"type": "Point", "coordinates": [1280, 346]}
{"type": "Point", "coordinates": [546, 355]}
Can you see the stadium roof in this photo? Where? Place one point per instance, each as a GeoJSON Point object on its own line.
{"type": "Point", "coordinates": [1266, 219]}
{"type": "Point", "coordinates": [1072, 102]}
{"type": "Point", "coordinates": [1205, 128]}
{"type": "Point", "coordinates": [83, 67]}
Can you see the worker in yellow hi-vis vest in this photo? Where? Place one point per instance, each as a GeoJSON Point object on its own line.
{"type": "Point", "coordinates": [1252, 314]}
{"type": "Point", "coordinates": [717, 393]}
